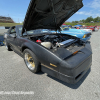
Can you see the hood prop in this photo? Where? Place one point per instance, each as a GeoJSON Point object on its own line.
{"type": "Point", "coordinates": [26, 33]}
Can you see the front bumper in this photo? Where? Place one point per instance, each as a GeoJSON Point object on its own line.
{"type": "Point", "coordinates": [86, 39]}
{"type": "Point", "coordinates": [63, 77]}
{"type": "Point", "coordinates": [72, 69]}
{"type": "Point", "coordinates": [77, 73]}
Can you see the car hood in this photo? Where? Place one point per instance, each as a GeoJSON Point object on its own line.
{"type": "Point", "coordinates": [49, 14]}
{"type": "Point", "coordinates": [75, 31]}
{"type": "Point", "coordinates": [79, 34]}
{"type": "Point", "coordinates": [78, 30]}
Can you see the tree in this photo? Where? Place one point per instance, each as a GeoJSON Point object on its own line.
{"type": "Point", "coordinates": [97, 19]}
{"type": "Point", "coordinates": [73, 21]}
{"type": "Point", "coordinates": [83, 21]}
{"type": "Point", "coordinates": [89, 19]}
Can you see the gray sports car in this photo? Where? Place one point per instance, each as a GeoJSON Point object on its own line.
{"type": "Point", "coordinates": [60, 55]}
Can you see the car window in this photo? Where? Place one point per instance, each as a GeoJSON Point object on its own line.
{"type": "Point", "coordinates": [13, 30]}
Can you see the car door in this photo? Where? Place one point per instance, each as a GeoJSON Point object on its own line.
{"type": "Point", "coordinates": [12, 37]}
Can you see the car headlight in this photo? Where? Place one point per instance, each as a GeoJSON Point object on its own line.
{"type": "Point", "coordinates": [84, 36]}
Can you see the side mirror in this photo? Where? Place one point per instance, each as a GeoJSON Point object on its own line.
{"type": "Point", "coordinates": [13, 35]}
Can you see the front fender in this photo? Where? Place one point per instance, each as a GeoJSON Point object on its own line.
{"type": "Point", "coordinates": [44, 55]}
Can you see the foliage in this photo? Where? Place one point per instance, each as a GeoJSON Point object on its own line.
{"type": "Point", "coordinates": [10, 24]}
{"type": "Point", "coordinates": [88, 20]}
{"type": "Point", "coordinates": [87, 24]}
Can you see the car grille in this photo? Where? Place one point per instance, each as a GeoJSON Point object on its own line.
{"type": "Point", "coordinates": [88, 35]}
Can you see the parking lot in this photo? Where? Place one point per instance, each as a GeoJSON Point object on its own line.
{"type": "Point", "coordinates": [14, 76]}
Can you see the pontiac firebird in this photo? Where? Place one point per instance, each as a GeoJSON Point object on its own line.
{"type": "Point", "coordinates": [62, 56]}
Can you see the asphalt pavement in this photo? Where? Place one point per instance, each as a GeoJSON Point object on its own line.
{"type": "Point", "coordinates": [15, 77]}
{"type": "Point", "coordinates": [2, 31]}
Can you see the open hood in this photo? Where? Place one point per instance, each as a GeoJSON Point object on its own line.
{"type": "Point", "coordinates": [49, 14]}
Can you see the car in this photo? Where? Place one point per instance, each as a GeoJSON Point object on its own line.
{"type": "Point", "coordinates": [96, 28]}
{"type": "Point", "coordinates": [82, 34]}
{"type": "Point", "coordinates": [83, 28]}
{"type": "Point", "coordinates": [60, 55]}
{"type": "Point", "coordinates": [91, 27]}
{"type": "Point", "coordinates": [1, 44]}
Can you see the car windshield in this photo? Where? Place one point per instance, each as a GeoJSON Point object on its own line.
{"type": "Point", "coordinates": [63, 26]}
{"type": "Point", "coordinates": [66, 28]}
{"type": "Point", "coordinates": [32, 32]}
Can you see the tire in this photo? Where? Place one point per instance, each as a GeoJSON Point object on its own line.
{"type": "Point", "coordinates": [7, 46]}
{"type": "Point", "coordinates": [31, 61]}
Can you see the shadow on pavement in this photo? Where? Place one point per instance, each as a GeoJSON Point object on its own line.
{"type": "Point", "coordinates": [40, 73]}
{"type": "Point", "coordinates": [73, 86]}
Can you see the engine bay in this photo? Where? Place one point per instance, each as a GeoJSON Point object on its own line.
{"type": "Point", "coordinates": [52, 41]}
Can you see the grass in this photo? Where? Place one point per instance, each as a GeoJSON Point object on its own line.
{"type": "Point", "coordinates": [87, 24]}
{"type": "Point", "coordinates": [10, 24]}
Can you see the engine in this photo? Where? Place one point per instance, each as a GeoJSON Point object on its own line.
{"type": "Point", "coordinates": [52, 41]}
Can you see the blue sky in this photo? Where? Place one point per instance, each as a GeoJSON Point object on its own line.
{"type": "Point", "coordinates": [17, 9]}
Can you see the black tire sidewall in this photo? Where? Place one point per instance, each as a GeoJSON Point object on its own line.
{"type": "Point", "coordinates": [37, 64]}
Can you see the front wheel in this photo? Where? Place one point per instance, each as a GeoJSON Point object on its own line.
{"type": "Point", "coordinates": [31, 61]}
